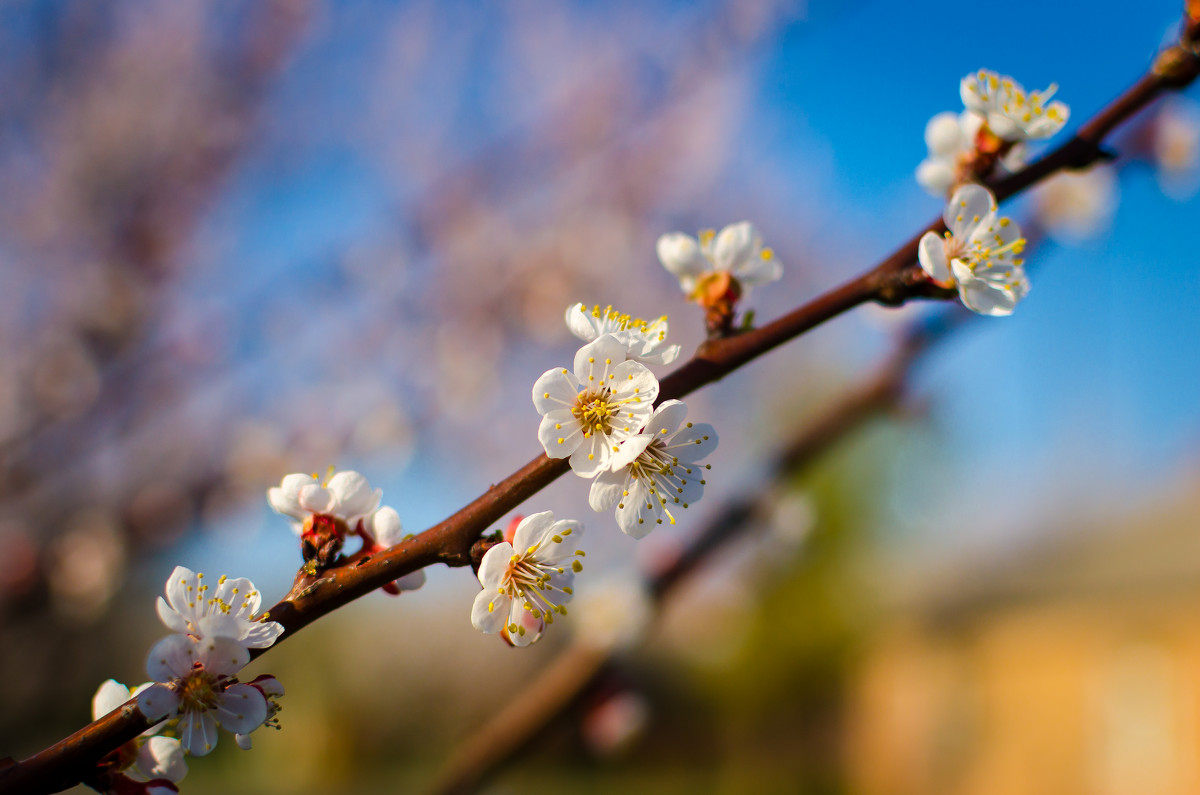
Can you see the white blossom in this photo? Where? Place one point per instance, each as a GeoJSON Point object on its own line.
{"type": "Point", "coordinates": [156, 757]}
{"type": "Point", "coordinates": [737, 250]}
{"type": "Point", "coordinates": [228, 611]}
{"type": "Point", "coordinates": [196, 676]}
{"type": "Point", "coordinates": [383, 529]}
{"type": "Point", "coordinates": [1010, 112]}
{"type": "Point", "coordinates": [526, 582]}
{"type": "Point", "coordinates": [655, 471]}
{"type": "Point", "coordinates": [587, 413]}
{"type": "Point", "coordinates": [344, 496]}
{"type": "Point", "coordinates": [951, 139]}
{"type": "Point", "coordinates": [644, 341]}
{"type": "Point", "coordinates": [978, 253]}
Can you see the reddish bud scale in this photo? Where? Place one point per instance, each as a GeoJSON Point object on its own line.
{"type": "Point", "coordinates": [322, 538]}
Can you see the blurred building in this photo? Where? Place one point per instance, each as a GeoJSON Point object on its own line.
{"type": "Point", "coordinates": [1071, 668]}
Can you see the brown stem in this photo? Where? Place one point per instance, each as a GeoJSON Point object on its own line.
{"type": "Point", "coordinates": [893, 281]}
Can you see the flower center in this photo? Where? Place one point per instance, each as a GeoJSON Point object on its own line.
{"type": "Point", "coordinates": [595, 409]}
{"type": "Point", "coordinates": [619, 321]}
{"type": "Point", "coordinates": [198, 692]}
{"type": "Point", "coordinates": [716, 288]}
{"type": "Point", "coordinates": [530, 582]}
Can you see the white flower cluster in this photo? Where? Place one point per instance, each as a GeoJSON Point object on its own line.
{"type": "Point", "coordinates": [990, 134]}
{"type": "Point", "coordinates": [193, 688]}
{"type": "Point", "coordinates": [196, 668]}
{"type": "Point", "coordinates": [601, 415]}
{"type": "Point", "coordinates": [979, 253]}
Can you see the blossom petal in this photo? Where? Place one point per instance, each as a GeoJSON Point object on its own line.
{"type": "Point", "coordinates": [760, 267]}
{"type": "Point", "coordinates": [489, 610]}
{"type": "Point", "coordinates": [315, 498]}
{"type": "Point", "coordinates": [735, 245]}
{"type": "Point", "coordinates": [560, 434]}
{"type": "Point", "coordinates": [354, 495]}
{"type": "Point", "coordinates": [680, 254]}
{"type": "Point", "coordinates": [592, 456]}
{"type": "Point", "coordinates": [986, 297]}
{"type": "Point", "coordinates": [597, 359]}
{"type": "Point", "coordinates": [560, 542]}
{"type": "Point", "coordinates": [157, 701]}
{"type": "Point", "coordinates": [665, 356]}
{"type": "Point", "coordinates": [581, 323]}
{"type": "Point", "coordinates": [241, 708]}
{"type": "Point", "coordinates": [936, 176]}
{"type": "Point", "coordinates": [532, 530]}
{"type": "Point", "coordinates": [628, 451]}
{"type": "Point", "coordinates": [944, 134]}
{"type": "Point", "coordinates": [693, 443]}
{"type": "Point", "coordinates": [666, 419]}
{"type": "Point", "coordinates": [411, 581]}
{"type": "Point", "coordinates": [162, 757]}
{"type": "Point", "coordinates": [110, 695]}
{"type": "Point", "coordinates": [170, 658]}
{"type": "Point", "coordinates": [184, 598]}
{"type": "Point", "coordinates": [198, 732]}
{"type": "Point", "coordinates": [931, 253]}
{"type": "Point", "coordinates": [554, 390]}
{"type": "Point", "coordinates": [630, 510]}
{"type": "Point", "coordinates": [606, 487]}
{"type": "Point", "coordinates": [529, 625]}
{"type": "Point", "coordinates": [261, 634]}
{"type": "Point", "coordinates": [285, 498]}
{"type": "Point", "coordinates": [494, 565]}
{"type": "Point", "coordinates": [221, 656]}
{"type": "Point", "coordinates": [385, 527]}
{"type": "Point", "coordinates": [970, 206]}
{"type": "Point", "coordinates": [221, 625]}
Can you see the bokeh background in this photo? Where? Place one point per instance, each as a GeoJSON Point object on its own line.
{"type": "Point", "coordinates": [239, 240]}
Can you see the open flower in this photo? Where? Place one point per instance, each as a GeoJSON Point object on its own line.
{"type": "Point", "coordinates": [228, 611]}
{"type": "Point", "coordinates": [736, 252]}
{"type": "Point", "coordinates": [588, 413]}
{"type": "Point", "coordinates": [381, 530]}
{"type": "Point", "coordinates": [147, 758]}
{"type": "Point", "coordinates": [645, 341]}
{"type": "Point", "coordinates": [655, 471]}
{"type": "Point", "coordinates": [196, 676]}
{"type": "Point", "coordinates": [526, 582]}
{"type": "Point", "coordinates": [1010, 112]}
{"type": "Point", "coordinates": [978, 253]}
{"type": "Point", "coordinates": [988, 137]}
{"type": "Point", "coordinates": [323, 512]}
